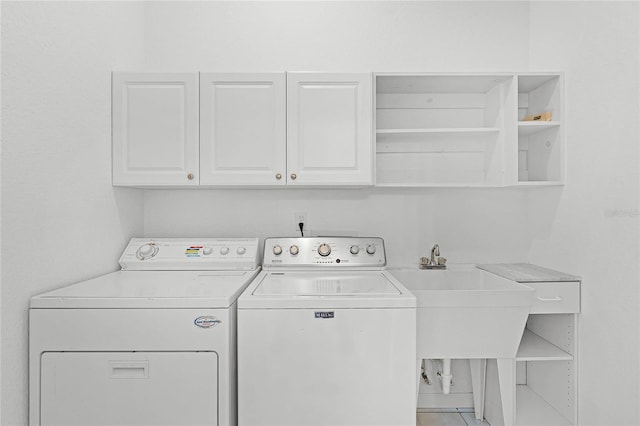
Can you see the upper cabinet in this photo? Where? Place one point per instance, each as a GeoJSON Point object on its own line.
{"type": "Point", "coordinates": [328, 129]}
{"type": "Point", "coordinates": [242, 129]}
{"type": "Point", "coordinates": [155, 129]}
{"type": "Point", "coordinates": [271, 129]}
{"type": "Point", "coordinates": [329, 122]}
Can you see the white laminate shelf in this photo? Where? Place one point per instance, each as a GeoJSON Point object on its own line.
{"type": "Point", "coordinates": [526, 128]}
{"type": "Point", "coordinates": [534, 411]}
{"type": "Point", "coordinates": [535, 348]}
{"type": "Point", "coordinates": [536, 183]}
{"type": "Point", "coordinates": [441, 130]}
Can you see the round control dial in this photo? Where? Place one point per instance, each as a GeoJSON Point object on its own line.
{"type": "Point", "coordinates": [241, 250]}
{"type": "Point", "coordinates": [324, 250]}
{"type": "Point", "coordinates": [294, 249]}
{"type": "Point", "coordinates": [207, 251]}
{"type": "Point", "coordinates": [146, 251]}
{"type": "Point", "coordinates": [224, 250]}
{"type": "Point", "coordinates": [371, 249]}
{"type": "Point", "coordinates": [277, 250]}
{"type": "Point", "coordinates": [354, 249]}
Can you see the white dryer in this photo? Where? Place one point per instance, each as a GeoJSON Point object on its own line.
{"type": "Point", "coordinates": [326, 336]}
{"type": "Point", "coordinates": [151, 344]}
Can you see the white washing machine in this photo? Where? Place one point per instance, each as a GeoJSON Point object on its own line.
{"type": "Point", "coordinates": [326, 337]}
{"type": "Point", "coordinates": [152, 344]}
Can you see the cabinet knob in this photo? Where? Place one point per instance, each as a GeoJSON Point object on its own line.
{"type": "Point", "coordinates": [278, 176]}
{"type": "Point", "coordinates": [293, 176]}
{"type": "Point", "coordinates": [190, 176]}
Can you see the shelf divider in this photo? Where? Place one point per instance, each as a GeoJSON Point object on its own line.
{"type": "Point", "coordinates": [535, 348]}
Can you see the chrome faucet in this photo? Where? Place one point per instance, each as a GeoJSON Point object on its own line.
{"type": "Point", "coordinates": [435, 262]}
{"type": "Point", "coordinates": [435, 252]}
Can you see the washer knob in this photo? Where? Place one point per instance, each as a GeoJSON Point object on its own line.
{"type": "Point", "coordinates": [294, 249]}
{"type": "Point", "coordinates": [354, 249]}
{"type": "Point", "coordinates": [241, 250]}
{"type": "Point", "coordinates": [277, 250]}
{"type": "Point", "coordinates": [146, 251]}
{"type": "Point", "coordinates": [207, 251]}
{"type": "Point", "coordinates": [224, 250]}
{"type": "Point", "coordinates": [371, 249]}
{"type": "Point", "coordinates": [324, 249]}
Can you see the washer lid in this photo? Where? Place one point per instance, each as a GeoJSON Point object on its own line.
{"type": "Point", "coordinates": [325, 284]}
{"type": "Point", "coordinates": [150, 289]}
{"type": "Point", "coordinates": [336, 289]}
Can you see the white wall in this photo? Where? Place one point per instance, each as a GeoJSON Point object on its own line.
{"type": "Point", "coordinates": [56, 188]}
{"type": "Point", "coordinates": [61, 219]}
{"type": "Point", "coordinates": [590, 227]}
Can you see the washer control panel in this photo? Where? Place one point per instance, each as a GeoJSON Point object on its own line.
{"type": "Point", "coordinates": [162, 254]}
{"type": "Point", "coordinates": [341, 252]}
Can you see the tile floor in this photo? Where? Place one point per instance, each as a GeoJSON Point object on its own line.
{"type": "Point", "coordinates": [449, 419]}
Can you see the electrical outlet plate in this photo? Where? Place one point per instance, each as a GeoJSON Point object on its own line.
{"type": "Point", "coordinates": [300, 217]}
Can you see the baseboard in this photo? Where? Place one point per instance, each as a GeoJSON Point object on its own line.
{"type": "Point", "coordinates": [430, 401]}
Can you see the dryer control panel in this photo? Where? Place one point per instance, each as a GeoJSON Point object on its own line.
{"type": "Point", "coordinates": [337, 252]}
{"type": "Point", "coordinates": [169, 254]}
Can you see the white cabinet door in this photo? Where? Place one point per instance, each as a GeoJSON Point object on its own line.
{"type": "Point", "coordinates": [242, 129]}
{"type": "Point", "coordinates": [329, 129]}
{"type": "Point", "coordinates": [155, 128]}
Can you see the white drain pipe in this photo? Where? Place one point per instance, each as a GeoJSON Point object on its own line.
{"type": "Point", "coordinates": [446, 376]}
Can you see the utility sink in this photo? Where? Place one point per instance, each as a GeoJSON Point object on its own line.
{"type": "Point", "coordinates": [465, 312]}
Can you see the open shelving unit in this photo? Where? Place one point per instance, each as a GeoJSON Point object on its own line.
{"type": "Point", "coordinates": [546, 388]}
{"type": "Point", "coordinates": [441, 129]}
{"type": "Point", "coordinates": [467, 130]}
{"type": "Point", "coordinates": [540, 143]}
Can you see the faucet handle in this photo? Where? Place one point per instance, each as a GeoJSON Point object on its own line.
{"type": "Point", "coordinates": [425, 261]}
{"type": "Point", "coordinates": [441, 260]}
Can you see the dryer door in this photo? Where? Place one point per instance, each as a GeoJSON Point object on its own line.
{"type": "Point", "coordinates": [129, 388]}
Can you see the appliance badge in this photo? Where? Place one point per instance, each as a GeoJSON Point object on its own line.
{"type": "Point", "coordinates": [325, 315]}
{"type": "Point", "coordinates": [206, 321]}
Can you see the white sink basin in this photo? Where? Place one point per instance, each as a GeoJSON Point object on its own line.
{"type": "Point", "coordinates": [465, 312]}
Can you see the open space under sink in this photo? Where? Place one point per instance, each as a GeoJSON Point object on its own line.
{"type": "Point", "coordinates": [465, 312]}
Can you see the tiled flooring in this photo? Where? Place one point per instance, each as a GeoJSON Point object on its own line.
{"type": "Point", "coordinates": [449, 419]}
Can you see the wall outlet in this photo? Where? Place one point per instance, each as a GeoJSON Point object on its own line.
{"type": "Point", "coordinates": [300, 217]}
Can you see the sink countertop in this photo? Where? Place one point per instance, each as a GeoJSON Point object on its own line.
{"type": "Point", "coordinates": [527, 273]}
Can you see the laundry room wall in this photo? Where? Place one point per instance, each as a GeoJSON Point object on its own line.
{"type": "Point", "coordinates": [62, 221]}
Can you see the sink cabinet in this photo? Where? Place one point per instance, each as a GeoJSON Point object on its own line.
{"type": "Point", "coordinates": [545, 367]}
{"type": "Point", "coordinates": [249, 129]}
